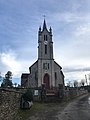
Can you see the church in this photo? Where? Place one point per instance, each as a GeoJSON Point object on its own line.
{"type": "Point", "coordinates": [45, 70]}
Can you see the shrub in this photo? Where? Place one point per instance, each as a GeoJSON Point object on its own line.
{"type": "Point", "coordinates": [28, 96]}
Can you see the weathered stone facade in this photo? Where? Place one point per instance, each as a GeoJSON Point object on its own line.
{"type": "Point", "coordinates": [9, 104]}
{"type": "Point", "coordinates": [45, 70]}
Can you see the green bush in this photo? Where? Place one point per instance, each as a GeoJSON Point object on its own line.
{"type": "Point", "coordinates": [28, 96]}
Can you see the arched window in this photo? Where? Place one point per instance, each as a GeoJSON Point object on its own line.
{"type": "Point", "coordinates": [45, 38]}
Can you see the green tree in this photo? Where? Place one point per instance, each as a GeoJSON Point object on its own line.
{"type": "Point", "coordinates": [1, 78]}
{"type": "Point", "coordinates": [75, 83]}
{"type": "Point", "coordinates": [7, 82]}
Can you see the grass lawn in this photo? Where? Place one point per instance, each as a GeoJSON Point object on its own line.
{"type": "Point", "coordinates": [23, 114]}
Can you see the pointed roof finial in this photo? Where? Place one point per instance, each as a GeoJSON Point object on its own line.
{"type": "Point", "coordinates": [40, 28]}
{"type": "Point", "coordinates": [44, 16]}
{"type": "Point", "coordinates": [44, 24]}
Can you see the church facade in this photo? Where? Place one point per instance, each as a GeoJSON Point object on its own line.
{"type": "Point", "coordinates": [45, 70]}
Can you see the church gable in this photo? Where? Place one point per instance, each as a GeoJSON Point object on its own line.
{"type": "Point", "coordinates": [57, 65]}
{"type": "Point", "coordinates": [33, 66]}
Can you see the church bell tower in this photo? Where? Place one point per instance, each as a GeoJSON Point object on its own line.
{"type": "Point", "coordinates": [45, 44]}
{"type": "Point", "coordinates": [45, 56]}
{"type": "Point", "coordinates": [45, 70]}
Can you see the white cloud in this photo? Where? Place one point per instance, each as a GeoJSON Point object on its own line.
{"type": "Point", "coordinates": [83, 29]}
{"type": "Point", "coordinates": [8, 59]}
{"type": "Point", "coordinates": [70, 17]}
{"type": "Point", "coordinates": [10, 62]}
{"type": "Point", "coordinates": [66, 17]}
{"type": "Point", "coordinates": [78, 75]}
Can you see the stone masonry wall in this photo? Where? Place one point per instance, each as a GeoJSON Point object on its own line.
{"type": "Point", "coordinates": [9, 104]}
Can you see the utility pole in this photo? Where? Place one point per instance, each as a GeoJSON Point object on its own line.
{"type": "Point", "coordinates": [86, 79]}
{"type": "Point", "coordinates": [89, 78]}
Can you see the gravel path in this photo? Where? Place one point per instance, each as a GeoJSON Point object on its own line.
{"type": "Point", "coordinates": [78, 109]}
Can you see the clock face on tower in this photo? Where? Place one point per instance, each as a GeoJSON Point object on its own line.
{"type": "Point", "coordinates": [45, 42]}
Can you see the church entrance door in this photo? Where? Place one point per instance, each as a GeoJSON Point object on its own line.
{"type": "Point", "coordinates": [46, 81]}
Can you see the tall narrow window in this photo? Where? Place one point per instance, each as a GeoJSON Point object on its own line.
{"type": "Point", "coordinates": [44, 37]}
{"type": "Point", "coordinates": [45, 49]}
{"type": "Point", "coordinates": [48, 65]}
{"type": "Point", "coordinates": [55, 76]}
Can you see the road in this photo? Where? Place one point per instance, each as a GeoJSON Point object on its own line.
{"type": "Point", "coordinates": [78, 109]}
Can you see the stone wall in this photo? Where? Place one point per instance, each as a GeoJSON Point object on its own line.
{"type": "Point", "coordinates": [9, 104]}
{"type": "Point", "coordinates": [73, 92]}
{"type": "Point", "coordinates": [10, 100]}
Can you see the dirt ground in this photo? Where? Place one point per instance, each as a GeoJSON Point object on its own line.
{"type": "Point", "coordinates": [64, 111]}
{"type": "Point", "coordinates": [49, 113]}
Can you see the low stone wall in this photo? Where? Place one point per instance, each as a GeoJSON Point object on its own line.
{"type": "Point", "coordinates": [9, 104]}
{"type": "Point", "coordinates": [10, 100]}
{"type": "Point", "coordinates": [72, 93]}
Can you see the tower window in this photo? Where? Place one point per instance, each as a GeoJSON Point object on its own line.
{"type": "Point", "coordinates": [45, 49]}
{"type": "Point", "coordinates": [45, 37]}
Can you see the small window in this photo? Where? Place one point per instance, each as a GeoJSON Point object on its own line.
{"type": "Point", "coordinates": [55, 76]}
{"type": "Point", "coordinates": [45, 49]}
{"type": "Point", "coordinates": [48, 65]}
{"type": "Point", "coordinates": [44, 37]}
{"type": "Point", "coordinates": [45, 66]}
{"type": "Point", "coordinates": [35, 75]}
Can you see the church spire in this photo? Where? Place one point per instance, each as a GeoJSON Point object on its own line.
{"type": "Point", "coordinates": [44, 25]}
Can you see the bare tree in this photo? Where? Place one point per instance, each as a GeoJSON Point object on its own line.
{"type": "Point", "coordinates": [15, 84]}
{"type": "Point", "coordinates": [75, 83]}
{"type": "Point", "coordinates": [82, 82]}
{"type": "Point", "coordinates": [69, 84]}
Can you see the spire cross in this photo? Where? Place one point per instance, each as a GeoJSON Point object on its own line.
{"type": "Point", "coordinates": [44, 16]}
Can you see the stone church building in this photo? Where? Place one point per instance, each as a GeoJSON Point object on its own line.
{"type": "Point", "coordinates": [45, 70]}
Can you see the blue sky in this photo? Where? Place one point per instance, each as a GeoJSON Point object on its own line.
{"type": "Point", "coordinates": [70, 21]}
